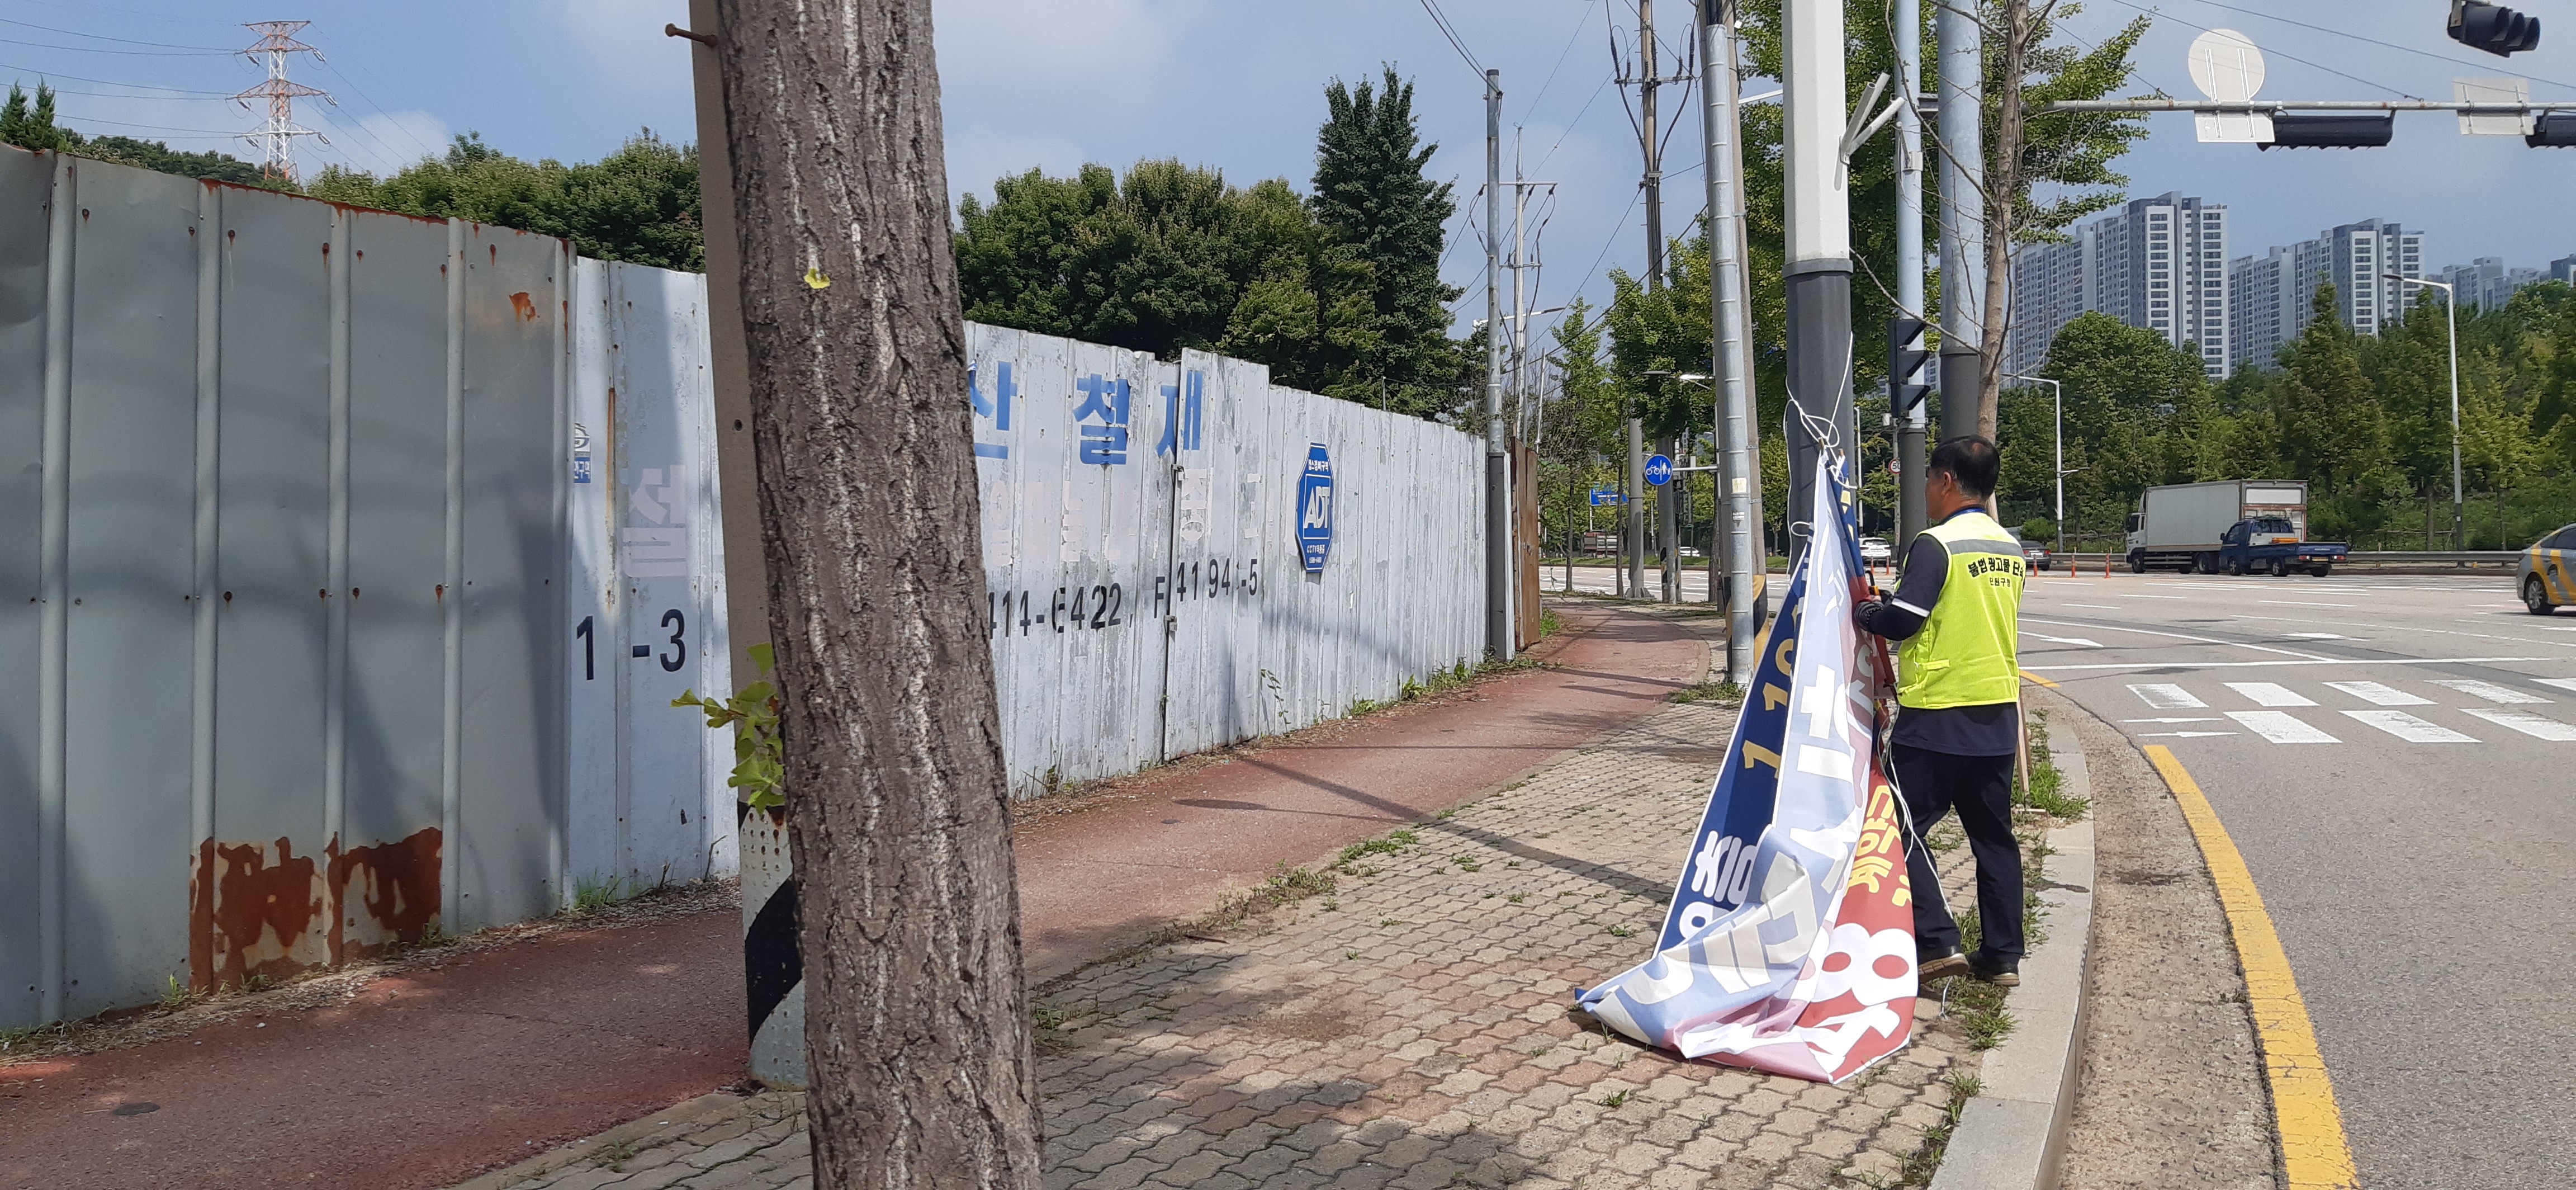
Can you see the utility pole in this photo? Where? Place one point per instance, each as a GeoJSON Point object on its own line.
{"type": "Point", "coordinates": [1912, 512]}
{"type": "Point", "coordinates": [1738, 544]}
{"type": "Point", "coordinates": [1963, 215]}
{"type": "Point", "coordinates": [1818, 202]}
{"type": "Point", "coordinates": [1498, 509]}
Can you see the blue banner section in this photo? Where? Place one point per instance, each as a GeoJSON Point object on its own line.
{"type": "Point", "coordinates": [1718, 876]}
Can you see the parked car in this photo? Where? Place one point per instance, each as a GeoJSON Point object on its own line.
{"type": "Point", "coordinates": [1876, 549]}
{"type": "Point", "coordinates": [2036, 555]}
{"type": "Point", "coordinates": [2548, 576]}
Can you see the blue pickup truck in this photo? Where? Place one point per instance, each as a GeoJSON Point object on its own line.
{"type": "Point", "coordinates": [2272, 543]}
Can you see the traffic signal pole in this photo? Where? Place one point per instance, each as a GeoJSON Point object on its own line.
{"type": "Point", "coordinates": [1818, 205]}
{"type": "Point", "coordinates": [1912, 515]}
{"type": "Point", "coordinates": [1963, 213]}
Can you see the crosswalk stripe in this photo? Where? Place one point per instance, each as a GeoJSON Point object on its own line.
{"type": "Point", "coordinates": [2536, 726]}
{"type": "Point", "coordinates": [2411, 729]}
{"type": "Point", "coordinates": [2488, 691]}
{"type": "Point", "coordinates": [2379, 694]}
{"type": "Point", "coordinates": [2561, 683]}
{"type": "Point", "coordinates": [2281, 727]}
{"type": "Point", "coordinates": [2165, 696]}
{"type": "Point", "coordinates": [2271, 694]}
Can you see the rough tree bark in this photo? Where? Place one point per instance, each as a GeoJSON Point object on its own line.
{"type": "Point", "coordinates": [916, 1022]}
{"type": "Point", "coordinates": [2003, 204]}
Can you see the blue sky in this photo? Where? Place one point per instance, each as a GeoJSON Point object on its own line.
{"type": "Point", "coordinates": [1053, 83]}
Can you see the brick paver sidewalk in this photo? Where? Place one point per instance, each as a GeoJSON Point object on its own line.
{"type": "Point", "coordinates": [1411, 1027]}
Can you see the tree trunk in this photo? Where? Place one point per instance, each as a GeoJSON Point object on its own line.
{"type": "Point", "coordinates": [2003, 201]}
{"type": "Point", "coordinates": [916, 1020]}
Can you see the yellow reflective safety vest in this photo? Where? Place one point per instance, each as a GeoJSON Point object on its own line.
{"type": "Point", "coordinates": [1968, 651]}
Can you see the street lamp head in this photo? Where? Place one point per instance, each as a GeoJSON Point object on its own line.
{"type": "Point", "coordinates": [1693, 377]}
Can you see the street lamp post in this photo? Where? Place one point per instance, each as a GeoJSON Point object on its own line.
{"type": "Point", "coordinates": [2058, 393]}
{"type": "Point", "coordinates": [2451, 320]}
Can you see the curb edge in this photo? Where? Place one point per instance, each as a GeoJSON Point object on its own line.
{"type": "Point", "coordinates": [2013, 1134]}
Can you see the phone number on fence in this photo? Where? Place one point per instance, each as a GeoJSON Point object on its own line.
{"type": "Point", "coordinates": [1100, 606]}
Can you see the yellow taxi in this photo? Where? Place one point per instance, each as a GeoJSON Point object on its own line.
{"type": "Point", "coordinates": [2548, 575]}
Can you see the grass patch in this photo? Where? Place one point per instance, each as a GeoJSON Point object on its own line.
{"type": "Point", "coordinates": [610, 1157]}
{"type": "Point", "coordinates": [1615, 1098]}
{"type": "Point", "coordinates": [1716, 690]}
{"type": "Point", "coordinates": [2046, 791]}
{"type": "Point", "coordinates": [1286, 886]}
{"type": "Point", "coordinates": [590, 895]}
{"type": "Point", "coordinates": [1393, 842]}
{"type": "Point", "coordinates": [1549, 623]}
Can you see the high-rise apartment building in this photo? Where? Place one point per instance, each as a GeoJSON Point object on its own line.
{"type": "Point", "coordinates": [2272, 293]}
{"type": "Point", "coordinates": [2563, 270]}
{"type": "Point", "coordinates": [2159, 263]}
{"type": "Point", "coordinates": [2487, 281]}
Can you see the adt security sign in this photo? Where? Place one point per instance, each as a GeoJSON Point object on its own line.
{"type": "Point", "coordinates": [1315, 508]}
{"type": "Point", "coordinates": [1659, 470]}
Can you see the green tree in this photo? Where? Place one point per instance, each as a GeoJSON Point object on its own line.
{"type": "Point", "coordinates": [1382, 221]}
{"type": "Point", "coordinates": [33, 128]}
{"type": "Point", "coordinates": [639, 204]}
{"type": "Point", "coordinates": [1168, 257]}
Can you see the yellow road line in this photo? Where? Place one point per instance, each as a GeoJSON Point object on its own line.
{"type": "Point", "coordinates": [2314, 1152]}
{"type": "Point", "coordinates": [2032, 677]}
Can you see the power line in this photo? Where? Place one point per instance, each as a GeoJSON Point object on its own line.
{"type": "Point", "coordinates": [104, 37]}
{"type": "Point", "coordinates": [1561, 56]}
{"type": "Point", "coordinates": [1455, 42]}
{"type": "Point", "coordinates": [91, 49]}
{"type": "Point", "coordinates": [122, 95]}
{"type": "Point", "coordinates": [425, 150]}
{"type": "Point", "coordinates": [146, 127]}
{"type": "Point", "coordinates": [167, 91]}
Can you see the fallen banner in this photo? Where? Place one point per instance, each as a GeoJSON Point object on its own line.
{"type": "Point", "coordinates": [1789, 946]}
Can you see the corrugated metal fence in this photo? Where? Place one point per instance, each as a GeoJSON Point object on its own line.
{"type": "Point", "coordinates": [349, 563]}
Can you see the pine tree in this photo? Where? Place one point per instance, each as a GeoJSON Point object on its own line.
{"type": "Point", "coordinates": [1380, 299]}
{"type": "Point", "coordinates": [33, 129]}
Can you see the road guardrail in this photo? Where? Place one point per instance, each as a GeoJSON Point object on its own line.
{"type": "Point", "coordinates": [2458, 558]}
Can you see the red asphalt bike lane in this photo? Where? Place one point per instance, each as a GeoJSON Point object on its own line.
{"type": "Point", "coordinates": [432, 1075]}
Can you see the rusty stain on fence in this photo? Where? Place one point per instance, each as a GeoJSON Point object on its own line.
{"type": "Point", "coordinates": [253, 907]}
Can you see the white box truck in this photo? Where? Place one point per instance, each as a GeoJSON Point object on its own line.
{"type": "Point", "coordinates": [2184, 525]}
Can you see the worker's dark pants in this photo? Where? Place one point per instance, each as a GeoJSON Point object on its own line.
{"type": "Point", "coordinates": [1980, 788]}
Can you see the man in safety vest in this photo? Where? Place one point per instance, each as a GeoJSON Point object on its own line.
{"type": "Point", "coordinates": [1958, 697]}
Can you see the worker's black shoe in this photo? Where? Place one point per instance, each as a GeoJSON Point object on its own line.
{"type": "Point", "coordinates": [2002, 973]}
{"type": "Point", "coordinates": [1929, 966]}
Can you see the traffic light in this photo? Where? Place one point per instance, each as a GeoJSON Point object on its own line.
{"type": "Point", "coordinates": [2493, 27]}
{"type": "Point", "coordinates": [2552, 130]}
{"type": "Point", "coordinates": [2331, 130]}
{"type": "Point", "coordinates": [1905, 360]}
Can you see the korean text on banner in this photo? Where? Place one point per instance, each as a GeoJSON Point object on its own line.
{"type": "Point", "coordinates": [1789, 946]}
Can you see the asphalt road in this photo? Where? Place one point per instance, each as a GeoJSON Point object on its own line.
{"type": "Point", "coordinates": [2396, 757]}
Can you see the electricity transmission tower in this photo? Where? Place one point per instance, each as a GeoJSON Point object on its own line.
{"type": "Point", "coordinates": [276, 138]}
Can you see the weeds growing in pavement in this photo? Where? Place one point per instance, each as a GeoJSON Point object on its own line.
{"type": "Point", "coordinates": [1615, 1098]}
{"type": "Point", "coordinates": [611, 1156]}
{"type": "Point", "coordinates": [1715, 690]}
{"type": "Point", "coordinates": [1286, 885]}
{"type": "Point", "coordinates": [2046, 791]}
{"type": "Point", "coordinates": [1917, 1168]}
{"type": "Point", "coordinates": [590, 895]}
{"type": "Point", "coordinates": [1391, 843]}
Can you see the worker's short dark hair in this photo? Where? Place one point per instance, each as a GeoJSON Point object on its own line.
{"type": "Point", "coordinates": [1971, 461]}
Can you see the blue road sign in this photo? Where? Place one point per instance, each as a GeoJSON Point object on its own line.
{"type": "Point", "coordinates": [1315, 507]}
{"type": "Point", "coordinates": [1601, 496]}
{"type": "Point", "coordinates": [1659, 471]}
